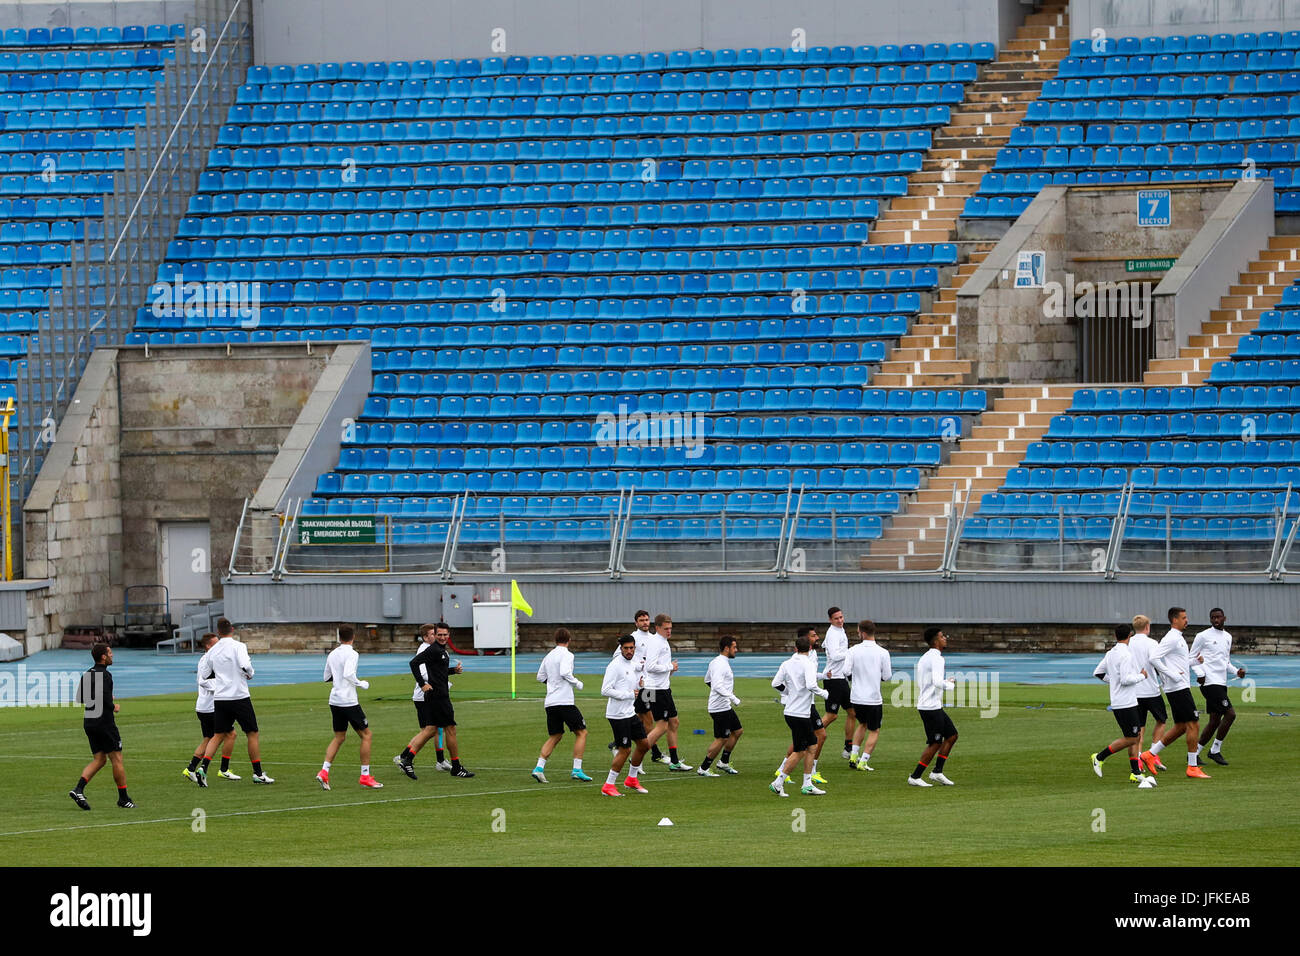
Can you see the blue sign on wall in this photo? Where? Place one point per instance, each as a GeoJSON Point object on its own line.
{"type": "Point", "coordinates": [1153, 207]}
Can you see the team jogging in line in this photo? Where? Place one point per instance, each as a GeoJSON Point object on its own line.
{"type": "Point", "coordinates": [1143, 675]}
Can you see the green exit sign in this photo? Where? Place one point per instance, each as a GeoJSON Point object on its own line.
{"type": "Point", "coordinates": [1149, 265]}
{"type": "Point", "coordinates": [341, 530]}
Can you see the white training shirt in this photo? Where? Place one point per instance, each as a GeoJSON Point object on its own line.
{"type": "Point", "coordinates": [204, 703]}
{"type": "Point", "coordinates": [1123, 678]}
{"type": "Point", "coordinates": [837, 649]}
{"type": "Point", "coordinates": [1140, 647]}
{"type": "Point", "coordinates": [620, 686]}
{"type": "Point", "coordinates": [229, 664]}
{"type": "Point", "coordinates": [638, 655]}
{"type": "Point", "coordinates": [866, 666]}
{"type": "Point", "coordinates": [799, 675]}
{"type": "Point", "coordinates": [341, 672]}
{"type": "Point", "coordinates": [1216, 647]}
{"type": "Point", "coordinates": [722, 683]}
{"type": "Point", "coordinates": [930, 683]}
{"type": "Point", "coordinates": [658, 663]}
{"type": "Point", "coordinates": [556, 673]}
{"type": "Point", "coordinates": [1170, 659]}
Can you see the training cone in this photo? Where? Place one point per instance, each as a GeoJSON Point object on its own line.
{"type": "Point", "coordinates": [665, 822]}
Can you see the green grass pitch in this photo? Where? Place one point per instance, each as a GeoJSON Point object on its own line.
{"type": "Point", "coordinates": [1025, 792]}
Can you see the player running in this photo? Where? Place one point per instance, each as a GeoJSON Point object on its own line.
{"type": "Point", "coordinates": [341, 672]}
{"type": "Point", "coordinates": [95, 693]}
{"type": "Point", "coordinates": [1140, 645]}
{"type": "Point", "coordinates": [722, 699]}
{"type": "Point", "coordinates": [837, 649]}
{"type": "Point", "coordinates": [203, 709]}
{"type": "Point", "coordinates": [641, 635]}
{"type": "Point", "coordinates": [228, 662]}
{"type": "Point", "coordinates": [1171, 660]}
{"type": "Point", "coordinates": [1212, 652]}
{"type": "Point", "coordinates": [1118, 670]}
{"type": "Point", "coordinates": [819, 731]}
{"type": "Point", "coordinates": [556, 673]}
{"type": "Point", "coordinates": [622, 683]}
{"type": "Point", "coordinates": [940, 732]}
{"type": "Point", "coordinates": [431, 668]}
{"type": "Point", "coordinates": [866, 667]}
{"type": "Point", "coordinates": [659, 668]}
{"type": "Point", "coordinates": [796, 679]}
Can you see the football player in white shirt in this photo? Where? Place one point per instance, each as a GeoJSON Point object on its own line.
{"type": "Point", "coordinates": [1211, 654]}
{"type": "Point", "coordinates": [341, 672]}
{"type": "Point", "coordinates": [556, 673]}
{"type": "Point", "coordinates": [1118, 670]}
{"type": "Point", "coordinates": [203, 708]}
{"type": "Point", "coordinates": [940, 733]}
{"type": "Point", "coordinates": [797, 681]}
{"type": "Point", "coordinates": [622, 684]}
{"type": "Point", "coordinates": [819, 729]}
{"type": "Point", "coordinates": [722, 701]}
{"type": "Point", "coordinates": [659, 668]}
{"type": "Point", "coordinates": [641, 705]}
{"type": "Point", "coordinates": [230, 667]}
{"type": "Point", "coordinates": [1140, 645]}
{"type": "Point", "coordinates": [1170, 659]}
{"type": "Point", "coordinates": [866, 667]}
{"type": "Point", "coordinates": [836, 643]}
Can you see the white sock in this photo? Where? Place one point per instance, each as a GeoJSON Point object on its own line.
{"type": "Point", "coordinates": [814, 766]}
{"type": "Point", "coordinates": [635, 771]}
{"type": "Point", "coordinates": [807, 780]}
{"type": "Point", "coordinates": [541, 762]}
{"type": "Point", "coordinates": [365, 770]}
{"type": "Point", "coordinates": [1216, 746]}
{"type": "Point", "coordinates": [866, 757]}
{"type": "Point", "coordinates": [577, 763]}
{"type": "Point", "coordinates": [326, 766]}
{"type": "Point", "coordinates": [612, 778]}
{"type": "Point", "coordinates": [1191, 759]}
{"type": "Point", "coordinates": [1157, 747]}
{"type": "Point", "coordinates": [854, 751]}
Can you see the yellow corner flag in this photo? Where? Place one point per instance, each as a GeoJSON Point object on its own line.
{"type": "Point", "coordinates": [517, 599]}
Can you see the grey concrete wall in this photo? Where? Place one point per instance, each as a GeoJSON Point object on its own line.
{"type": "Point", "coordinates": [200, 428]}
{"type": "Point", "coordinates": [1140, 18]}
{"type": "Point", "coordinates": [93, 13]}
{"type": "Point", "coordinates": [309, 31]}
{"type": "Point", "coordinates": [73, 514]}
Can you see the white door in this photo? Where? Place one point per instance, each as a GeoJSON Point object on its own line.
{"type": "Point", "coordinates": [186, 563]}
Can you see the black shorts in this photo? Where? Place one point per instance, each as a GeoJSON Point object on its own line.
{"type": "Point", "coordinates": [802, 735]}
{"type": "Point", "coordinates": [104, 739]}
{"type": "Point", "coordinates": [641, 705]}
{"type": "Point", "coordinates": [561, 715]}
{"type": "Point", "coordinates": [838, 688]}
{"type": "Point", "coordinates": [725, 724]}
{"type": "Point", "coordinates": [226, 713]}
{"type": "Point", "coordinates": [661, 704]}
{"type": "Point", "coordinates": [938, 725]}
{"type": "Point", "coordinates": [1216, 698]}
{"type": "Point", "coordinates": [1129, 720]}
{"type": "Point", "coordinates": [1155, 706]}
{"type": "Point", "coordinates": [435, 712]}
{"type": "Point", "coordinates": [869, 715]}
{"type": "Point", "coordinates": [627, 730]}
{"type": "Point", "coordinates": [353, 715]}
{"type": "Point", "coordinates": [205, 722]}
{"type": "Point", "coordinates": [1182, 706]}
{"type": "Point", "coordinates": [816, 719]}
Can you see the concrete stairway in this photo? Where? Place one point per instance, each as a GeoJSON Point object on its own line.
{"type": "Point", "coordinates": [1259, 288]}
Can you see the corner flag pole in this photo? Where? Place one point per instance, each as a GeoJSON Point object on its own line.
{"type": "Point", "coordinates": [517, 603]}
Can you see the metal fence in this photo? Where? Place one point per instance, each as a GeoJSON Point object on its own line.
{"type": "Point", "coordinates": [116, 260]}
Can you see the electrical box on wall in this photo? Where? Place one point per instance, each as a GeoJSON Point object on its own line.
{"type": "Point", "coordinates": [458, 605]}
{"type": "Point", "coordinates": [392, 597]}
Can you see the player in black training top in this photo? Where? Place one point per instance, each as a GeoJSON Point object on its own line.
{"type": "Point", "coordinates": [431, 668]}
{"type": "Point", "coordinates": [96, 694]}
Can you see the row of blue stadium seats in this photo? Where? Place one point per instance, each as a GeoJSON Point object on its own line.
{"type": "Point", "coordinates": [628, 63]}
{"type": "Point", "coordinates": [1254, 346]}
{"type": "Point", "coordinates": [845, 427]}
{"type": "Point", "coordinates": [87, 140]}
{"type": "Point", "coordinates": [364, 155]}
{"type": "Point", "coordinates": [592, 282]}
{"type": "Point", "coordinates": [568, 506]}
{"type": "Point", "coordinates": [595, 135]}
{"type": "Point", "coordinates": [896, 254]}
{"type": "Point", "coordinates": [489, 231]}
{"type": "Point", "coordinates": [73, 119]}
{"type": "Point", "coordinates": [1242, 106]}
{"type": "Point", "coordinates": [1161, 64]}
{"type": "Point", "coordinates": [1149, 134]}
{"type": "Point", "coordinates": [15, 278]}
{"type": "Point", "coordinates": [1278, 320]}
{"type": "Point", "coordinates": [33, 91]}
{"type": "Point", "coordinates": [60, 230]}
{"type": "Point", "coordinates": [816, 354]}
{"type": "Point", "coordinates": [1030, 183]}
{"type": "Point", "coordinates": [32, 254]}
{"type": "Point", "coordinates": [1266, 370]}
{"type": "Point", "coordinates": [67, 36]}
{"type": "Point", "coordinates": [61, 184]}
{"type": "Point", "coordinates": [59, 62]}
{"type": "Point", "coordinates": [1160, 452]}
{"type": "Point", "coordinates": [1183, 398]}
{"type": "Point", "coordinates": [680, 479]}
{"type": "Point", "coordinates": [1218, 476]}
{"type": "Point", "coordinates": [1135, 529]}
{"type": "Point", "coordinates": [1107, 94]}
{"type": "Point", "coordinates": [76, 100]}
{"type": "Point", "coordinates": [23, 300]}
{"type": "Point", "coordinates": [1139, 503]}
{"type": "Point", "coordinates": [322, 102]}
{"type": "Point", "coordinates": [872, 454]}
{"type": "Point", "coordinates": [61, 163]}
{"type": "Point", "coordinates": [543, 405]}
{"type": "Point", "coordinates": [1205, 425]}
{"type": "Point", "coordinates": [595, 357]}
{"type": "Point", "coordinates": [1183, 154]}
{"type": "Point", "coordinates": [581, 84]}
{"type": "Point", "coordinates": [12, 346]}
{"type": "Point", "coordinates": [1197, 43]}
